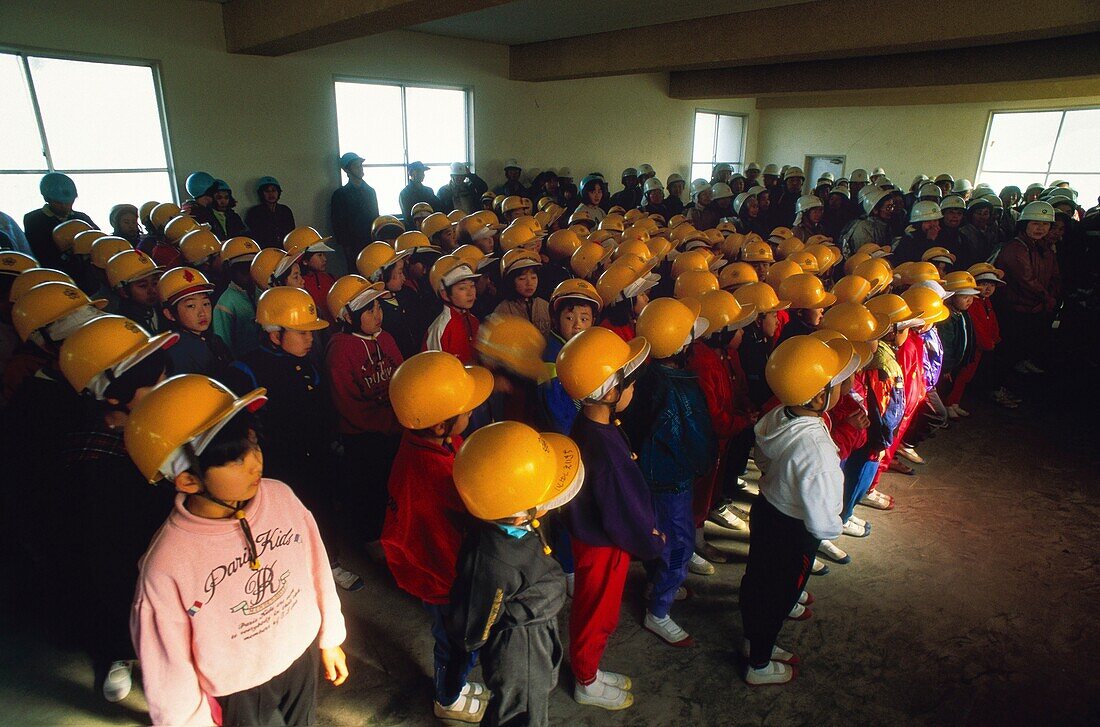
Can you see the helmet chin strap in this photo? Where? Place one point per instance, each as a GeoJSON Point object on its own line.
{"type": "Point", "coordinates": [238, 512]}
{"type": "Point", "coordinates": [537, 527]}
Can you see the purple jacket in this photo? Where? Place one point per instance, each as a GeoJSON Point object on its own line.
{"type": "Point", "coordinates": [933, 357]}
{"type": "Point", "coordinates": [614, 508]}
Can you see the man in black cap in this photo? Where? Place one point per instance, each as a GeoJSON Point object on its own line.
{"type": "Point", "coordinates": [416, 191]}
{"type": "Point", "coordinates": [354, 208]}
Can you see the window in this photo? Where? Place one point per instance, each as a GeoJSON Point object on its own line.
{"type": "Point", "coordinates": [391, 125]}
{"type": "Point", "coordinates": [1024, 147]}
{"type": "Point", "coordinates": [100, 123]}
{"type": "Point", "coordinates": [718, 138]}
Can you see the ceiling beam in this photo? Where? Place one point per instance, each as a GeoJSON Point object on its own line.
{"type": "Point", "coordinates": [823, 29]}
{"type": "Point", "coordinates": [1055, 90]}
{"type": "Point", "coordinates": [278, 27]}
{"type": "Point", "coordinates": [1076, 57]}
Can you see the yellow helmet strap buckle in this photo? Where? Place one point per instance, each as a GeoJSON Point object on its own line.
{"type": "Point", "coordinates": [536, 526]}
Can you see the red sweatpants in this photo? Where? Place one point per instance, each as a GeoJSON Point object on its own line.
{"type": "Point", "coordinates": [597, 598]}
{"type": "Point", "coordinates": [964, 377]}
{"type": "Point", "coordinates": [708, 489]}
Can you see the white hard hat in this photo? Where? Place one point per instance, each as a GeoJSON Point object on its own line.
{"type": "Point", "coordinates": [859, 175]}
{"type": "Point", "coordinates": [752, 167]}
{"type": "Point", "coordinates": [722, 167]}
{"type": "Point", "coordinates": [699, 185]}
{"type": "Point", "coordinates": [929, 190]}
{"type": "Point", "coordinates": [924, 211]}
{"type": "Point", "coordinates": [807, 202]}
{"type": "Point", "coordinates": [842, 190]}
{"type": "Point", "coordinates": [1037, 212]}
{"type": "Point", "coordinates": [628, 172]}
{"type": "Point", "coordinates": [458, 168]}
{"type": "Point", "coordinates": [739, 201]}
{"type": "Point", "coordinates": [944, 178]}
{"type": "Point", "coordinates": [963, 185]}
{"type": "Point", "coordinates": [653, 183]}
{"type": "Point", "coordinates": [917, 182]}
{"type": "Point", "coordinates": [879, 172]}
{"type": "Point", "coordinates": [794, 172]}
{"type": "Point", "coordinates": [512, 164]}
{"type": "Point", "coordinates": [872, 198]}
{"type": "Point", "coordinates": [721, 190]}
{"type": "Point", "coordinates": [672, 179]}
{"type": "Point", "coordinates": [565, 173]}
{"type": "Point", "coordinates": [952, 202]}
{"type": "Point", "coordinates": [772, 170]}
{"type": "Point", "coordinates": [645, 169]}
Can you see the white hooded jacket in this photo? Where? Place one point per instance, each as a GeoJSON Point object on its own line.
{"type": "Point", "coordinates": [801, 470]}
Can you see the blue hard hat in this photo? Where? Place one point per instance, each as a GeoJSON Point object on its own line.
{"type": "Point", "coordinates": [348, 158]}
{"type": "Point", "coordinates": [264, 181]}
{"type": "Point", "coordinates": [220, 185]}
{"type": "Point", "coordinates": [199, 184]}
{"type": "Point", "coordinates": [57, 187]}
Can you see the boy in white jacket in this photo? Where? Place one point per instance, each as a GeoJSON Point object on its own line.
{"type": "Point", "coordinates": [801, 494]}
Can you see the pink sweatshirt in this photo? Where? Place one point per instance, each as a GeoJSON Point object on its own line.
{"type": "Point", "coordinates": [205, 624]}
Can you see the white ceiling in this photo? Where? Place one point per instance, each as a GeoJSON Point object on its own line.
{"type": "Point", "coordinates": [530, 21]}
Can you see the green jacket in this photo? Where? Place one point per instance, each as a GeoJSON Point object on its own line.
{"type": "Point", "coordinates": [235, 320]}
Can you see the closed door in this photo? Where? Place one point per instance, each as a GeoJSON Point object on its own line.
{"type": "Point", "coordinates": [819, 164]}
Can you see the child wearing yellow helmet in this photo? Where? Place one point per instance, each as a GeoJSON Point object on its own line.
{"type": "Point", "coordinates": [520, 271]}
{"type": "Point", "coordinates": [432, 395]}
{"type": "Point", "coordinates": [508, 591]}
{"type": "Point", "coordinates": [235, 309]}
{"type": "Point", "coordinates": [188, 310]}
{"type": "Point", "coordinates": [957, 332]}
{"type": "Point", "coordinates": [233, 593]}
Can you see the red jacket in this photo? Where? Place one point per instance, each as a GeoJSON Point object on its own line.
{"type": "Point", "coordinates": [426, 519]}
{"type": "Point", "coordinates": [359, 371]}
{"type": "Point", "coordinates": [624, 332]}
{"type": "Point", "coordinates": [742, 409]}
{"type": "Point", "coordinates": [454, 331]}
{"type": "Point", "coordinates": [784, 317]}
{"type": "Point", "coordinates": [318, 284]}
{"type": "Point", "coordinates": [166, 255]}
{"type": "Point", "coordinates": [911, 359]}
{"type": "Point", "coordinates": [847, 437]}
{"type": "Point", "coordinates": [987, 331]}
{"type": "Point", "coordinates": [714, 380]}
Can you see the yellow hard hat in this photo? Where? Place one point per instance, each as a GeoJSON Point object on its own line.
{"type": "Point", "coordinates": [824, 256]}
{"type": "Point", "coordinates": [864, 349]}
{"type": "Point", "coordinates": [351, 293]}
{"type": "Point", "coordinates": [633, 215]}
{"type": "Point", "coordinates": [872, 250]}
{"type": "Point", "coordinates": [805, 290]}
{"type": "Point", "coordinates": [938, 254]}
{"type": "Point", "coordinates": [855, 322]}
{"type": "Point", "coordinates": [517, 235]}
{"type": "Point", "coordinates": [515, 344]}
{"type": "Point", "coordinates": [617, 209]}
{"type": "Point", "coordinates": [106, 248]}
{"type": "Point", "coordinates": [449, 270]}
{"type": "Point", "coordinates": [179, 226]}
{"type": "Point", "coordinates": [83, 241]}
{"type": "Point", "coordinates": [735, 275]}
{"type": "Point", "coordinates": [659, 247]}
{"type": "Point", "coordinates": [854, 261]}
{"type": "Point", "coordinates": [805, 259]}
{"type": "Point", "coordinates": [693, 283]}
{"type": "Point", "coordinates": [473, 256]}
{"type": "Point", "coordinates": [713, 237]}
{"type": "Point", "coordinates": [762, 297]}
{"type": "Point", "coordinates": [544, 203]}
{"type": "Point", "coordinates": [433, 386]}
{"type": "Point", "coordinates": [264, 265]}
{"type": "Point", "coordinates": [877, 272]}
{"type": "Point", "coordinates": [185, 409]}
{"type": "Point", "coordinates": [985, 272]}
{"type": "Point", "coordinates": [511, 204]}
{"type": "Point", "coordinates": [377, 256]}
{"type": "Point", "coordinates": [291, 308]}
{"type": "Point", "coordinates": [433, 223]}
{"type": "Point", "coordinates": [926, 304]}
{"type": "Point", "coordinates": [613, 223]}
{"type": "Point", "coordinates": [635, 233]}
{"type": "Point", "coordinates": [851, 289]}
{"type": "Point", "coordinates": [239, 249]}
{"type": "Point", "coordinates": [819, 240]}
{"type": "Point", "coordinates": [624, 279]}
{"type": "Point", "coordinates": [676, 220]}
{"type": "Point", "coordinates": [670, 325]}
{"type": "Point", "coordinates": [382, 222]}
{"type": "Point", "coordinates": [475, 227]}
{"type": "Point", "coordinates": [787, 246]}
{"type": "Point", "coordinates": [455, 216]}
{"type": "Point", "coordinates": [421, 209]}
{"type": "Point", "coordinates": [633, 247]}
{"type": "Point", "coordinates": [891, 308]}
{"type": "Point", "coordinates": [690, 260]}
{"type": "Point", "coordinates": [582, 217]}
{"type": "Point", "coordinates": [48, 303]}
{"type": "Point", "coordinates": [784, 232]}
{"type": "Point", "coordinates": [14, 263]}
{"type": "Point", "coordinates": [498, 203]}
{"type": "Point", "coordinates": [199, 246]}
{"type": "Point", "coordinates": [531, 223]}
{"type": "Point", "coordinates": [782, 270]}
{"type": "Point", "coordinates": [180, 283]}
{"type": "Point", "coordinates": [562, 244]}
{"type": "Point", "coordinates": [488, 218]}
{"type": "Point", "coordinates": [518, 259]}
{"type": "Point", "coordinates": [723, 312]}
{"type": "Point", "coordinates": [35, 276]}
{"type": "Point", "coordinates": [587, 258]}
{"type": "Point", "coordinates": [757, 251]}
{"type": "Point", "coordinates": [129, 266]}
{"type": "Point", "coordinates": [802, 367]}
{"type": "Point", "coordinates": [160, 215]}
{"type": "Point", "coordinates": [414, 241]}
{"type": "Point", "coordinates": [913, 273]}
{"type": "Point", "coordinates": [550, 215]}
{"type": "Point", "coordinates": [575, 288]}
{"type": "Point", "coordinates": [509, 470]}
{"type": "Point", "coordinates": [680, 233]}
{"type": "Point", "coordinates": [596, 360]}
{"type": "Point", "coordinates": [960, 281]}
{"type": "Point", "coordinates": [145, 212]}
{"type": "Point", "coordinates": [64, 233]}
{"type": "Point", "coordinates": [103, 349]}
{"type": "Point", "coordinates": [305, 239]}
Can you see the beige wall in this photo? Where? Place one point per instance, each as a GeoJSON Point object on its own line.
{"type": "Point", "coordinates": [241, 117]}
{"type": "Point", "coordinates": [904, 140]}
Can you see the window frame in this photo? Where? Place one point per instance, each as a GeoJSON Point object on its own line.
{"type": "Point", "coordinates": [24, 54]}
{"type": "Point", "coordinates": [468, 92]}
{"type": "Point", "coordinates": [737, 165]}
{"type": "Point", "coordinates": [1049, 173]}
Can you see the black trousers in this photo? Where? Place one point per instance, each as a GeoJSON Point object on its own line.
{"type": "Point", "coordinates": [364, 479]}
{"type": "Point", "coordinates": [737, 458]}
{"type": "Point", "coordinates": [521, 668]}
{"type": "Point", "coordinates": [781, 553]}
{"type": "Point", "coordinates": [288, 699]}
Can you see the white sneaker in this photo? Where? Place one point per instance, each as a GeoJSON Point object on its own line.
{"type": "Point", "coordinates": [799, 612]}
{"type": "Point", "coordinates": [346, 579]}
{"type": "Point", "coordinates": [819, 568]}
{"type": "Point", "coordinates": [605, 696]}
{"type": "Point", "coordinates": [858, 521]}
{"type": "Point", "coordinates": [961, 412]}
{"type": "Point", "coordinates": [467, 708]}
{"type": "Point", "coordinates": [833, 553]}
{"type": "Point", "coordinates": [730, 517]}
{"type": "Point", "coordinates": [622, 681]}
{"type": "Point", "coordinates": [774, 673]}
{"type": "Point", "coordinates": [951, 413]}
{"type": "Point", "coordinates": [668, 630]}
{"type": "Point", "coordinates": [119, 681]}
{"type": "Point", "coordinates": [1032, 368]}
{"type": "Point", "coordinates": [1022, 368]}
{"type": "Point", "coordinates": [570, 583]}
{"type": "Point", "coordinates": [778, 653]}
{"type": "Point", "coordinates": [700, 566]}
{"type": "Point", "coordinates": [856, 531]}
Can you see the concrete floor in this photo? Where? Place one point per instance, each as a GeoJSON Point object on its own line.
{"type": "Point", "coordinates": [974, 602]}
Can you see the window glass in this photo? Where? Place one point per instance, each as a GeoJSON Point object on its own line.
{"type": "Point", "coordinates": [702, 146]}
{"type": "Point", "coordinates": [730, 134]}
{"type": "Point", "coordinates": [436, 124]}
{"type": "Point", "coordinates": [20, 143]}
{"type": "Point", "coordinates": [1021, 142]}
{"type": "Point", "coordinates": [369, 122]}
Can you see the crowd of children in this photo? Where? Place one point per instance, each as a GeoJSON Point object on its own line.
{"type": "Point", "coordinates": [506, 406]}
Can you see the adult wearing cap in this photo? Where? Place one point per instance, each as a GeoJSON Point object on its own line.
{"type": "Point", "coordinates": [771, 178]}
{"type": "Point", "coordinates": [922, 234]}
{"type": "Point", "coordinates": [782, 211]}
{"type": "Point", "coordinates": [979, 236]}
{"type": "Point", "coordinates": [464, 190]}
{"type": "Point", "coordinates": [752, 173]}
{"type": "Point", "coordinates": [416, 191]}
{"type": "Point", "coordinates": [354, 208]}
{"type": "Point", "coordinates": [630, 196]}
{"type": "Point", "coordinates": [59, 192]}
{"type": "Point", "coordinates": [878, 208]}
{"type": "Point", "coordinates": [674, 190]}
{"type": "Point", "coordinates": [1026, 305]}
{"type": "Point", "coordinates": [512, 186]}
{"type": "Point", "coordinates": [269, 221]}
